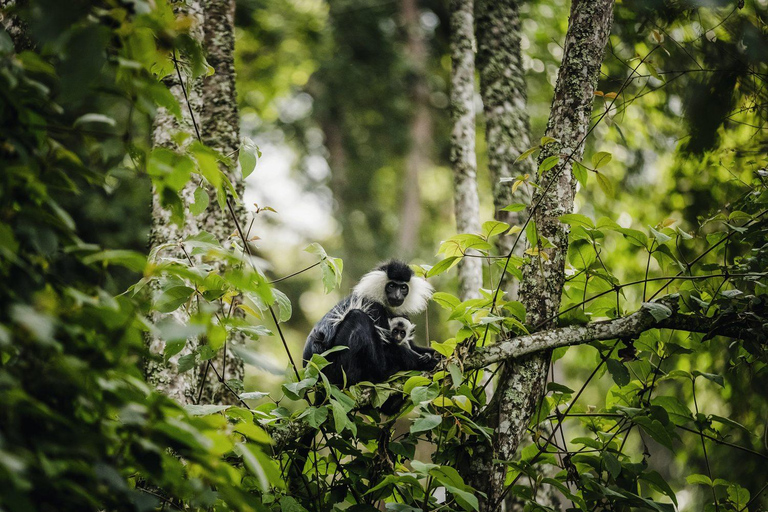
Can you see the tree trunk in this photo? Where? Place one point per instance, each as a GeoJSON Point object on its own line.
{"type": "Point", "coordinates": [220, 130]}
{"type": "Point", "coordinates": [503, 89]}
{"type": "Point", "coordinates": [522, 380]}
{"type": "Point", "coordinates": [15, 26]}
{"type": "Point", "coordinates": [214, 115]}
{"type": "Point", "coordinates": [463, 158]}
{"type": "Point", "coordinates": [420, 133]}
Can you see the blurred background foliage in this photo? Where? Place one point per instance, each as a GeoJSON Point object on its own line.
{"type": "Point", "coordinates": [326, 91]}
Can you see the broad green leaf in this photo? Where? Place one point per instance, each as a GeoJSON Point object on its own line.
{"type": "Point", "coordinates": [517, 207]}
{"type": "Point", "coordinates": [204, 410]}
{"type": "Point", "coordinates": [576, 219]}
{"type": "Point", "coordinates": [425, 423]}
{"type": "Point", "coordinates": [172, 298]}
{"type": "Point", "coordinates": [201, 201]}
{"type": "Point", "coordinates": [580, 172]}
{"type": "Point", "coordinates": [548, 163]}
{"type": "Point", "coordinates": [605, 184]}
{"type": "Point", "coordinates": [493, 228]}
{"type": "Point", "coordinates": [600, 159]}
{"type": "Point", "coordinates": [443, 266]}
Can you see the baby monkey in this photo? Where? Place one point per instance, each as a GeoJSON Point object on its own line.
{"type": "Point", "coordinates": [401, 331]}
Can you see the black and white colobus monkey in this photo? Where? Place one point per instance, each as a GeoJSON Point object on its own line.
{"type": "Point", "coordinates": [361, 322]}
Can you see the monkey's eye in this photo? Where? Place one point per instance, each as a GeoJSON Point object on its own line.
{"type": "Point", "coordinates": [390, 286]}
{"type": "Point", "coordinates": [404, 287]}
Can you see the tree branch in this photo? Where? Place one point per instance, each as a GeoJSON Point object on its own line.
{"type": "Point", "coordinates": [629, 326]}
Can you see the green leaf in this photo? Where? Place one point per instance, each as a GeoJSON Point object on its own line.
{"type": "Point", "coordinates": [517, 207]}
{"type": "Point", "coordinates": [697, 479]}
{"type": "Point", "coordinates": [531, 234]}
{"type": "Point", "coordinates": [575, 219]}
{"type": "Point", "coordinates": [247, 157]}
{"type": "Point", "coordinates": [600, 159]}
{"type": "Point", "coordinates": [315, 416]}
{"type": "Point", "coordinates": [678, 412]}
{"type": "Point", "coordinates": [548, 140]}
{"type": "Point", "coordinates": [739, 496]}
{"type": "Point", "coordinates": [186, 363]}
{"type": "Point", "coordinates": [525, 154]}
{"type": "Point", "coordinates": [605, 184]}
{"type": "Point", "coordinates": [658, 311]}
{"type": "Point", "coordinates": [340, 419]}
{"type": "Point", "coordinates": [172, 298]}
{"type": "Point", "coordinates": [717, 379]}
{"type": "Point", "coordinates": [446, 300]}
{"type": "Point", "coordinates": [661, 485]}
{"type": "Point", "coordinates": [659, 236]}
{"type": "Point", "coordinates": [443, 266]}
{"type": "Point", "coordinates": [493, 228]}
{"type": "Point", "coordinates": [580, 172]}
{"type": "Point", "coordinates": [284, 309]}
{"type": "Point", "coordinates": [548, 163]}
{"type": "Point", "coordinates": [612, 464]}
{"type": "Point", "coordinates": [425, 423]}
{"type": "Point", "coordinates": [618, 371]}
{"type": "Point", "coordinates": [204, 410]}
{"type": "Point", "coordinates": [201, 201]}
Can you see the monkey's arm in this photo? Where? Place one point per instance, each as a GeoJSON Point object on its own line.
{"type": "Point", "coordinates": [413, 357]}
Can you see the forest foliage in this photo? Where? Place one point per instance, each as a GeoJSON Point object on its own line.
{"type": "Point", "coordinates": [673, 419]}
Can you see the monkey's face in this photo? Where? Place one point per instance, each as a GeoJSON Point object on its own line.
{"type": "Point", "coordinates": [396, 293]}
{"type": "Point", "coordinates": [398, 334]}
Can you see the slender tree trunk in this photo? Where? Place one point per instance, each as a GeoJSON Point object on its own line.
{"type": "Point", "coordinates": [220, 130]}
{"type": "Point", "coordinates": [503, 89]}
{"type": "Point", "coordinates": [214, 116]}
{"type": "Point", "coordinates": [164, 376]}
{"type": "Point", "coordinates": [522, 380]}
{"type": "Point", "coordinates": [463, 158]}
{"type": "Point", "coordinates": [420, 133]}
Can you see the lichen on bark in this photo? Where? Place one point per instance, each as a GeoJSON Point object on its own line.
{"type": "Point", "coordinates": [463, 158]}
{"type": "Point", "coordinates": [504, 93]}
{"type": "Point", "coordinates": [211, 104]}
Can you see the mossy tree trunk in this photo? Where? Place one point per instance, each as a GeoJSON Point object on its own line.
{"type": "Point", "coordinates": [503, 89]}
{"type": "Point", "coordinates": [522, 380]}
{"type": "Point", "coordinates": [209, 111]}
{"type": "Point", "coordinates": [463, 158]}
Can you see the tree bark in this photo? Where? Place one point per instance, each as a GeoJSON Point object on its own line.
{"type": "Point", "coordinates": [220, 130]}
{"type": "Point", "coordinates": [418, 156]}
{"type": "Point", "coordinates": [14, 25]}
{"type": "Point", "coordinates": [522, 381]}
{"type": "Point", "coordinates": [463, 158]}
{"type": "Point", "coordinates": [503, 89]}
{"type": "Point", "coordinates": [164, 375]}
{"type": "Point", "coordinates": [213, 106]}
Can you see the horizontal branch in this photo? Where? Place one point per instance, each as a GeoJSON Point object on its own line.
{"type": "Point", "coordinates": [625, 327]}
{"type": "Point", "coordinates": [629, 326]}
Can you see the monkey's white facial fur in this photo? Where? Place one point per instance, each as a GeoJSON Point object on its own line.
{"type": "Point", "coordinates": [372, 286]}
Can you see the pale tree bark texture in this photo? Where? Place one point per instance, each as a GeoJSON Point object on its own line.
{"type": "Point", "coordinates": [502, 86]}
{"type": "Point", "coordinates": [418, 156]}
{"type": "Point", "coordinates": [214, 112]}
{"type": "Point", "coordinates": [463, 158]}
{"type": "Point", "coordinates": [522, 380]}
